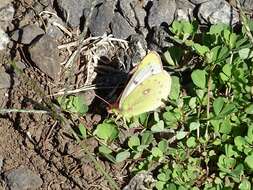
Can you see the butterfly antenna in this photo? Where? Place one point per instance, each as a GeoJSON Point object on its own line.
{"type": "Point", "coordinates": [99, 97]}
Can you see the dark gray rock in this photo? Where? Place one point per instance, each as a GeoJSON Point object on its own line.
{"type": "Point", "coordinates": [45, 54]}
{"type": "Point", "coordinates": [3, 3]}
{"type": "Point", "coordinates": [27, 34]}
{"type": "Point", "coordinates": [184, 10]}
{"type": "Point", "coordinates": [4, 39]}
{"type": "Point", "coordinates": [101, 18]}
{"type": "Point", "coordinates": [1, 163]}
{"type": "Point", "coordinates": [160, 39]}
{"type": "Point", "coordinates": [137, 48]}
{"type": "Point", "coordinates": [73, 12]}
{"type": "Point", "coordinates": [120, 27]}
{"type": "Point", "coordinates": [23, 179]}
{"type": "Point", "coordinates": [52, 25]}
{"type": "Point", "coordinates": [133, 12]}
{"type": "Point", "coordinates": [162, 11]}
{"type": "Point", "coordinates": [45, 3]}
{"type": "Point", "coordinates": [6, 15]}
{"type": "Point", "coordinates": [53, 31]}
{"type": "Point", "coordinates": [5, 80]}
{"type": "Point", "coordinates": [141, 181]}
{"type": "Point", "coordinates": [196, 2]}
{"type": "Point", "coordinates": [217, 11]}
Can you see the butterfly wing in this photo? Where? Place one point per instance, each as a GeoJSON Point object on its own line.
{"type": "Point", "coordinates": [147, 96]}
{"type": "Point", "coordinates": [150, 65]}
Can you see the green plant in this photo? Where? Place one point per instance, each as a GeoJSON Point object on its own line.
{"type": "Point", "coordinates": [73, 104]}
{"type": "Point", "coordinates": [203, 139]}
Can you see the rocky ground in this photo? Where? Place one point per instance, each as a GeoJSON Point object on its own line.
{"type": "Point", "coordinates": [40, 38]}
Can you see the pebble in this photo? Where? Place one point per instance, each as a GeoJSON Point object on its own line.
{"type": "Point", "coordinates": [196, 2]}
{"type": "Point", "coordinates": [184, 10]}
{"type": "Point", "coordinates": [120, 27]}
{"type": "Point", "coordinates": [53, 30]}
{"type": "Point", "coordinates": [4, 39]}
{"type": "Point", "coordinates": [1, 163]}
{"type": "Point", "coordinates": [217, 11]}
{"type": "Point", "coordinates": [27, 34]}
{"type": "Point", "coordinates": [101, 18]}
{"type": "Point", "coordinates": [133, 12]}
{"type": "Point", "coordinates": [3, 3]}
{"type": "Point", "coordinates": [159, 40]}
{"type": "Point", "coordinates": [73, 12]}
{"type": "Point", "coordinates": [6, 14]}
{"type": "Point", "coordinates": [162, 11]}
{"type": "Point", "coordinates": [140, 181]}
{"type": "Point", "coordinates": [5, 80]}
{"type": "Point", "coordinates": [45, 54]}
{"type": "Point", "coordinates": [23, 179]}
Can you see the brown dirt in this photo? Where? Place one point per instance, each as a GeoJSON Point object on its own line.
{"type": "Point", "coordinates": [43, 145]}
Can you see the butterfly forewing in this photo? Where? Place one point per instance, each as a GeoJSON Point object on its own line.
{"type": "Point", "coordinates": [150, 65]}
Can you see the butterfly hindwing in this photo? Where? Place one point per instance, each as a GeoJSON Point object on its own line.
{"type": "Point", "coordinates": [147, 96]}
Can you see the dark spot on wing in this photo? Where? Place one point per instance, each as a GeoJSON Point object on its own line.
{"type": "Point", "coordinates": [146, 91]}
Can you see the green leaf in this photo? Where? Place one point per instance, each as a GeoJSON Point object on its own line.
{"type": "Point", "coordinates": [146, 138]}
{"type": "Point", "coordinates": [104, 149]}
{"type": "Point", "coordinates": [122, 156]}
{"type": "Point", "coordinates": [246, 53]}
{"type": "Point", "coordinates": [106, 152]}
{"type": "Point", "coordinates": [80, 105]}
{"type": "Point", "coordinates": [200, 49]}
{"type": "Point", "coordinates": [181, 134]}
{"type": "Point", "coordinates": [194, 126]}
{"type": "Point", "coordinates": [245, 185]}
{"type": "Point", "coordinates": [74, 104]}
{"type": "Point", "coordinates": [218, 105]}
{"type": "Point", "coordinates": [249, 161]}
{"type": "Point", "coordinates": [249, 109]}
{"type": "Point", "coordinates": [187, 27]}
{"type": "Point", "coordinates": [240, 142]}
{"type": "Point", "coordinates": [158, 127]}
{"type": "Point", "coordinates": [191, 142]}
{"type": "Point", "coordinates": [163, 145]}
{"type": "Point", "coordinates": [218, 28]}
{"type": "Point", "coordinates": [218, 53]}
{"type": "Point", "coordinates": [156, 152]}
{"type": "Point", "coordinates": [175, 88]}
{"type": "Point", "coordinates": [224, 77]}
{"type": "Point", "coordinates": [106, 131]}
{"type": "Point", "coordinates": [176, 27]}
{"type": "Point", "coordinates": [227, 69]}
{"type": "Point", "coordinates": [143, 119]}
{"type": "Point", "coordinates": [249, 137]}
{"type": "Point", "coordinates": [173, 55]}
{"type": "Point", "coordinates": [229, 108]}
{"type": "Point", "coordinates": [199, 78]}
{"type": "Point", "coordinates": [232, 40]}
{"type": "Point", "coordinates": [133, 142]}
{"type": "Point", "coordinates": [82, 130]}
{"type": "Point", "coordinates": [160, 185]}
{"type": "Point", "coordinates": [225, 127]}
